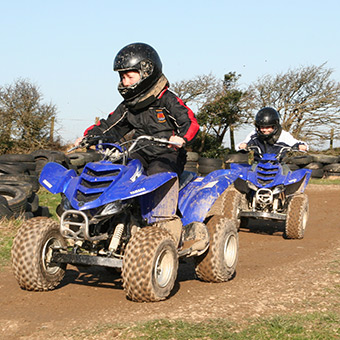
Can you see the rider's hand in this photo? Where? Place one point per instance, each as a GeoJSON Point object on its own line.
{"type": "Point", "coordinates": [176, 139]}
{"type": "Point", "coordinates": [242, 146]}
{"type": "Point", "coordinates": [78, 141]}
{"type": "Point", "coordinates": [303, 147]}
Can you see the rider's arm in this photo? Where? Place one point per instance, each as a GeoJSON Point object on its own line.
{"type": "Point", "coordinates": [183, 116]}
{"type": "Point", "coordinates": [114, 125]}
{"type": "Point", "coordinates": [244, 143]}
{"type": "Point", "coordinates": [288, 139]}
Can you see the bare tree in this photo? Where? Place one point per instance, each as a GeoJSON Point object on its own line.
{"type": "Point", "coordinates": [26, 121]}
{"type": "Point", "coordinates": [218, 106]}
{"type": "Point", "coordinates": [199, 90]}
{"type": "Point", "coordinates": [307, 99]}
{"type": "Point", "coordinates": [223, 112]}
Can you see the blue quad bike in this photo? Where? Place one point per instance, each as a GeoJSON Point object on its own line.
{"type": "Point", "coordinates": [113, 215]}
{"type": "Point", "coordinates": [269, 191]}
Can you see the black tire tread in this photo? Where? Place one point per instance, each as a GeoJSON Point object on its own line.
{"type": "Point", "coordinates": [296, 209]}
{"type": "Point", "coordinates": [210, 266]}
{"type": "Point", "coordinates": [138, 264]}
{"type": "Point", "coordinates": [26, 255]}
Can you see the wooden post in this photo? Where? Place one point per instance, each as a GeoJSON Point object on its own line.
{"type": "Point", "coordinates": [96, 120]}
{"type": "Point", "coordinates": [232, 138]}
{"type": "Point", "coordinates": [331, 139]}
{"type": "Point", "coordinates": [52, 129]}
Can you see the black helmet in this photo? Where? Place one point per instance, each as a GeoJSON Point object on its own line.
{"type": "Point", "coordinates": [142, 58]}
{"type": "Point", "coordinates": [268, 116]}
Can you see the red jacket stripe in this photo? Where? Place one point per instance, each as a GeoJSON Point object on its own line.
{"type": "Point", "coordinates": [194, 127]}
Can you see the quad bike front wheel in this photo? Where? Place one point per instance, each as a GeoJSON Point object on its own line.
{"type": "Point", "coordinates": [218, 263]}
{"type": "Point", "coordinates": [31, 255]}
{"type": "Point", "coordinates": [297, 217]}
{"type": "Point", "coordinates": [150, 265]}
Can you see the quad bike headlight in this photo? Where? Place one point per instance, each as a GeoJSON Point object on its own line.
{"type": "Point", "coordinates": [251, 186]}
{"type": "Point", "coordinates": [278, 189]}
{"type": "Point", "coordinates": [112, 208]}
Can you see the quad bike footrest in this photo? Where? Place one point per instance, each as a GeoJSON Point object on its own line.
{"type": "Point", "coordinates": [263, 214]}
{"type": "Point", "coordinates": [87, 260]}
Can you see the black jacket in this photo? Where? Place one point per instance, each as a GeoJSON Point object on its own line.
{"type": "Point", "coordinates": [165, 117]}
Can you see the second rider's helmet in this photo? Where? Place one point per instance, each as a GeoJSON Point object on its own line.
{"type": "Point", "coordinates": [142, 58]}
{"type": "Point", "coordinates": [267, 116]}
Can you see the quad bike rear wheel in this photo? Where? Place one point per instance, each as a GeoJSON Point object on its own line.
{"type": "Point", "coordinates": [297, 217]}
{"type": "Point", "coordinates": [234, 201]}
{"type": "Point", "coordinates": [31, 254]}
{"type": "Point", "coordinates": [150, 265]}
{"type": "Point", "coordinates": [218, 263]}
{"type": "Point", "coordinates": [229, 205]}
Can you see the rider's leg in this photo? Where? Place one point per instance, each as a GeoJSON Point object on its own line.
{"type": "Point", "coordinates": [173, 162]}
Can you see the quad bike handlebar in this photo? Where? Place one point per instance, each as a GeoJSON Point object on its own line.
{"type": "Point", "coordinates": [279, 154]}
{"type": "Point", "coordinates": [114, 151]}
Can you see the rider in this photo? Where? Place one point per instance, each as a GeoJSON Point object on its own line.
{"type": "Point", "coordinates": [148, 108]}
{"type": "Point", "coordinates": [269, 135]}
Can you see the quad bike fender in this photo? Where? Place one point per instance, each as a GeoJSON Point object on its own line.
{"type": "Point", "coordinates": [161, 203]}
{"type": "Point", "coordinates": [241, 168]}
{"type": "Point", "coordinates": [55, 177]}
{"type": "Point", "coordinates": [298, 178]}
{"type": "Point", "coordinates": [148, 184]}
{"type": "Point", "coordinates": [195, 205]}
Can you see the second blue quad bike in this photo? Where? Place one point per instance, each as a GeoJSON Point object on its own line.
{"type": "Point", "coordinates": [115, 216]}
{"type": "Point", "coordinates": [268, 190]}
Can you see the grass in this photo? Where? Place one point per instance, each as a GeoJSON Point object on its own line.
{"type": "Point", "coordinates": [50, 201]}
{"type": "Point", "coordinates": [295, 326]}
{"type": "Point", "coordinates": [8, 229]}
{"type": "Point", "coordinates": [325, 181]}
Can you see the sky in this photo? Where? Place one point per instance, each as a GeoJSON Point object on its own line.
{"type": "Point", "coordinates": [67, 47]}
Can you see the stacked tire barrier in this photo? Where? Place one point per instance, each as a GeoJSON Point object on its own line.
{"type": "Point", "coordinates": [207, 165]}
{"type": "Point", "coordinates": [79, 159]}
{"type": "Point", "coordinates": [19, 179]}
{"type": "Point", "coordinates": [235, 158]}
{"type": "Point", "coordinates": [19, 185]}
{"type": "Point", "coordinates": [192, 162]}
{"type": "Point", "coordinates": [322, 166]}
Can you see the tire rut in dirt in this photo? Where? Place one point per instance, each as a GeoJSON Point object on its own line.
{"type": "Point", "coordinates": [148, 247]}
{"type": "Point", "coordinates": [30, 267]}
{"type": "Point", "coordinates": [218, 264]}
{"type": "Point", "coordinates": [297, 217]}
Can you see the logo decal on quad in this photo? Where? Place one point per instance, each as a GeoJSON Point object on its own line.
{"type": "Point", "coordinates": [160, 116]}
{"type": "Point", "coordinates": [137, 191]}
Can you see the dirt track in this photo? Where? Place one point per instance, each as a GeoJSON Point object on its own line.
{"type": "Point", "coordinates": [274, 276]}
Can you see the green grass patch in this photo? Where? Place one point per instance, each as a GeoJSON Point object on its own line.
{"type": "Point", "coordinates": [310, 326]}
{"type": "Point", "coordinates": [324, 181]}
{"type": "Point", "coordinates": [5, 248]}
{"type": "Point", "coordinates": [8, 229]}
{"type": "Point", "coordinates": [49, 200]}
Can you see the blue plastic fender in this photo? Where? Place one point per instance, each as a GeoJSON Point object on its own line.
{"type": "Point", "coordinates": [201, 194]}
{"type": "Point", "coordinates": [55, 177]}
{"type": "Point", "coordinates": [297, 176]}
